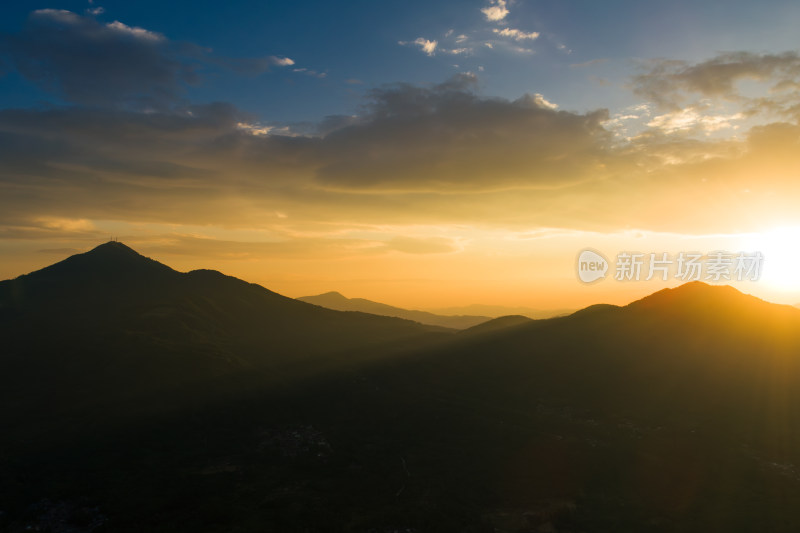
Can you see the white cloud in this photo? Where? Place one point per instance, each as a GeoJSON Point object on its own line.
{"type": "Point", "coordinates": [457, 51]}
{"type": "Point", "coordinates": [496, 10]}
{"type": "Point", "coordinates": [519, 35]}
{"type": "Point", "coordinates": [139, 33]}
{"type": "Point", "coordinates": [96, 11]}
{"type": "Point", "coordinates": [254, 129]}
{"type": "Point", "coordinates": [542, 102]}
{"type": "Point", "coordinates": [61, 15]}
{"type": "Point", "coordinates": [427, 46]}
{"type": "Point", "coordinates": [691, 119]}
{"type": "Point", "coordinates": [310, 72]}
{"type": "Point", "coordinates": [281, 61]}
{"type": "Point", "coordinates": [461, 38]}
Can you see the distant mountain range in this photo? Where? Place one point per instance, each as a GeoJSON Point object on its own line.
{"type": "Point", "coordinates": [137, 398]}
{"type": "Point", "coordinates": [335, 300]}
{"type": "Point", "coordinates": [495, 311]}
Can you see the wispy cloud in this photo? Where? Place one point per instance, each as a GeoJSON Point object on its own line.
{"type": "Point", "coordinates": [518, 35]}
{"type": "Point", "coordinates": [694, 119]}
{"type": "Point", "coordinates": [426, 45]}
{"type": "Point", "coordinates": [281, 61]}
{"type": "Point", "coordinates": [139, 33]}
{"type": "Point", "coordinates": [311, 72]}
{"type": "Point", "coordinates": [672, 83]}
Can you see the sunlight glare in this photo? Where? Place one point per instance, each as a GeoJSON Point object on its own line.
{"type": "Point", "coordinates": [781, 250]}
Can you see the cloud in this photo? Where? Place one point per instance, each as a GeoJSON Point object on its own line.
{"type": "Point", "coordinates": [540, 101]}
{"type": "Point", "coordinates": [672, 83]}
{"type": "Point", "coordinates": [693, 119]}
{"type": "Point", "coordinates": [209, 164]}
{"type": "Point", "coordinates": [518, 35]}
{"type": "Point", "coordinates": [310, 72]}
{"type": "Point", "coordinates": [87, 62]}
{"type": "Point", "coordinates": [427, 46]}
{"type": "Point", "coordinates": [138, 33]}
{"type": "Point", "coordinates": [281, 61]}
{"type": "Point", "coordinates": [496, 10]}
{"type": "Point", "coordinates": [439, 154]}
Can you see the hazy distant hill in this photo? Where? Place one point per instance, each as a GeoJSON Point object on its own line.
{"type": "Point", "coordinates": [335, 300]}
{"type": "Point", "coordinates": [497, 324]}
{"type": "Point", "coordinates": [495, 311]}
{"type": "Point", "coordinates": [121, 411]}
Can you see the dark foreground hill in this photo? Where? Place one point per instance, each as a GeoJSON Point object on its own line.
{"type": "Point", "coordinates": [111, 326]}
{"type": "Point", "coordinates": [679, 412]}
{"type": "Point", "coordinates": [113, 294]}
{"type": "Point", "coordinates": [339, 302]}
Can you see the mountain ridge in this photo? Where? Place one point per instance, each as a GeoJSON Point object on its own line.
{"type": "Point", "coordinates": [336, 300]}
{"type": "Point", "coordinates": [210, 403]}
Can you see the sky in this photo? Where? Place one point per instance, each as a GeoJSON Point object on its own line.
{"type": "Point", "coordinates": [422, 154]}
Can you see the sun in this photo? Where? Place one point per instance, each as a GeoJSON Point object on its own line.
{"type": "Point", "coordinates": [780, 248]}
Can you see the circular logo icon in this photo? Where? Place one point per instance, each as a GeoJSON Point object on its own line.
{"type": "Point", "coordinates": [591, 266]}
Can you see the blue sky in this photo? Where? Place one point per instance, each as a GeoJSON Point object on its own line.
{"type": "Point", "coordinates": [358, 41]}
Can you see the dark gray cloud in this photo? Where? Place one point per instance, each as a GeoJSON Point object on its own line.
{"type": "Point", "coordinates": [443, 140]}
{"type": "Point", "coordinates": [92, 63]}
{"type": "Point", "coordinates": [673, 83]}
{"type": "Point", "coordinates": [447, 135]}
{"type": "Point", "coordinates": [435, 154]}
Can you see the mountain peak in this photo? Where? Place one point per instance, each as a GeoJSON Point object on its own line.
{"type": "Point", "coordinates": [694, 294]}
{"type": "Point", "coordinates": [332, 295]}
{"type": "Point", "coordinates": [113, 247]}
{"type": "Point", "coordinates": [112, 258]}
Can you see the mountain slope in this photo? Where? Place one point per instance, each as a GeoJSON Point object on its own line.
{"type": "Point", "coordinates": [335, 300]}
{"type": "Point", "coordinates": [496, 311]}
{"type": "Point", "coordinates": [663, 415]}
{"type": "Point", "coordinates": [115, 323]}
{"type": "Point", "coordinates": [497, 324]}
{"type": "Point", "coordinates": [678, 412]}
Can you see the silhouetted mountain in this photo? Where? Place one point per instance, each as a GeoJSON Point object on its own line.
{"type": "Point", "coordinates": [496, 311]}
{"type": "Point", "coordinates": [113, 319]}
{"type": "Point", "coordinates": [678, 412]}
{"type": "Point", "coordinates": [335, 300]}
{"type": "Point", "coordinates": [497, 324]}
{"type": "Point", "coordinates": [603, 420]}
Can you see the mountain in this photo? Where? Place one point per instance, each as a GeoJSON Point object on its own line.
{"type": "Point", "coordinates": [111, 322]}
{"type": "Point", "coordinates": [335, 300]}
{"type": "Point", "coordinates": [496, 311]}
{"type": "Point", "coordinates": [678, 412]}
{"type": "Point", "coordinates": [137, 398]}
{"type": "Point", "coordinates": [496, 324]}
